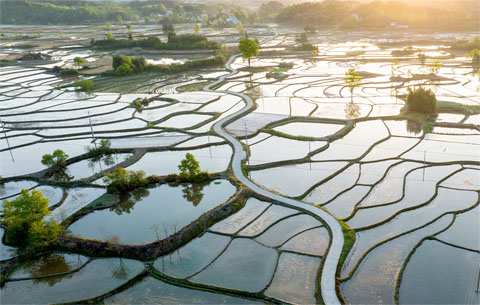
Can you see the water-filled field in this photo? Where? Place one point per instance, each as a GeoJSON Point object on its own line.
{"type": "Point", "coordinates": [407, 187]}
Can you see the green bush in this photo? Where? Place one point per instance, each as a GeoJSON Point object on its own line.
{"type": "Point", "coordinates": [285, 65]}
{"type": "Point", "coordinates": [57, 158]}
{"type": "Point", "coordinates": [421, 100]}
{"type": "Point", "coordinates": [123, 70]}
{"type": "Point", "coordinates": [84, 84]}
{"type": "Point", "coordinates": [24, 219]}
{"type": "Point", "coordinates": [78, 60]}
{"type": "Point", "coordinates": [121, 180]}
{"type": "Point", "coordinates": [101, 149]}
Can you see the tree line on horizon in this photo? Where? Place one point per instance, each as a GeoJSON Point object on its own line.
{"type": "Point", "coordinates": [448, 15]}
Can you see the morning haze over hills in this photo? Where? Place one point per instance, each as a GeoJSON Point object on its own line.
{"type": "Point", "coordinates": [239, 152]}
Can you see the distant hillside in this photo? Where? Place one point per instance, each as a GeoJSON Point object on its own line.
{"type": "Point", "coordinates": [449, 15]}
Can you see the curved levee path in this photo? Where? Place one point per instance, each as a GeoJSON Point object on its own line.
{"type": "Point", "coordinates": [332, 258]}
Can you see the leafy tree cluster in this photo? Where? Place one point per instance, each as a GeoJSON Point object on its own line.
{"type": "Point", "coordinates": [124, 65]}
{"type": "Point", "coordinates": [319, 13]}
{"type": "Point", "coordinates": [268, 11]}
{"type": "Point", "coordinates": [452, 15]}
{"type": "Point", "coordinates": [93, 11]}
{"type": "Point", "coordinates": [458, 15]}
{"type": "Point", "coordinates": [175, 42]}
{"type": "Point", "coordinates": [421, 100]}
{"type": "Point", "coordinates": [475, 56]}
{"type": "Point", "coordinates": [24, 219]}
{"type": "Point", "coordinates": [167, 27]}
{"type": "Point", "coordinates": [60, 12]}
{"type": "Point", "coordinates": [121, 180]}
{"type": "Point", "coordinates": [57, 158]}
{"type": "Point", "coordinates": [463, 45]}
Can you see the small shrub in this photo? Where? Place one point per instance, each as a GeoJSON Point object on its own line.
{"type": "Point", "coordinates": [285, 65]}
{"type": "Point", "coordinates": [421, 100]}
{"type": "Point", "coordinates": [101, 149]}
{"type": "Point", "coordinates": [84, 84]}
{"type": "Point", "coordinates": [121, 180]}
{"type": "Point", "coordinates": [123, 70]}
{"type": "Point", "coordinates": [78, 60]}
{"type": "Point", "coordinates": [57, 158]}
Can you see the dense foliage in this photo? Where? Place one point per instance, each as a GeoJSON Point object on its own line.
{"type": "Point", "coordinates": [456, 15]}
{"type": "Point", "coordinates": [124, 65]}
{"type": "Point", "coordinates": [84, 84]}
{"type": "Point", "coordinates": [249, 48]}
{"type": "Point", "coordinates": [421, 100]}
{"type": "Point", "coordinates": [24, 219]}
{"type": "Point", "coordinates": [268, 11]}
{"type": "Point", "coordinates": [175, 42]}
{"type": "Point", "coordinates": [84, 12]}
{"type": "Point", "coordinates": [121, 180]}
{"type": "Point", "coordinates": [190, 169]}
{"type": "Point", "coordinates": [60, 12]}
{"type": "Point", "coordinates": [320, 13]}
{"type": "Point", "coordinates": [57, 158]}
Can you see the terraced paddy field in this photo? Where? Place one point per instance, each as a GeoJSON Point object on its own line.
{"type": "Point", "coordinates": [318, 194]}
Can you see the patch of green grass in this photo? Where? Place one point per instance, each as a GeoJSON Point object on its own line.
{"type": "Point", "coordinates": [458, 106]}
{"type": "Point", "coordinates": [349, 236]}
{"type": "Point", "coordinates": [281, 70]}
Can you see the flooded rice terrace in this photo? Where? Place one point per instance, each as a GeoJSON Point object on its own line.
{"type": "Point", "coordinates": [405, 190]}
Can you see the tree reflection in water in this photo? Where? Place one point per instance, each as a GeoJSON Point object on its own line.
{"type": "Point", "coordinates": [414, 127]}
{"type": "Point", "coordinates": [352, 110]}
{"type": "Point", "coordinates": [128, 200]}
{"type": "Point", "coordinates": [121, 273]}
{"type": "Point", "coordinates": [49, 265]}
{"type": "Point", "coordinates": [192, 192]}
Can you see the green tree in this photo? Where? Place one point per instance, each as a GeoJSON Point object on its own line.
{"type": "Point", "coordinates": [167, 27]}
{"type": "Point", "coordinates": [110, 36]}
{"type": "Point", "coordinates": [196, 29]}
{"type": "Point", "coordinates": [148, 20]}
{"type": "Point", "coordinates": [352, 80]}
{"type": "Point", "coordinates": [394, 65]}
{"type": "Point", "coordinates": [241, 30]}
{"type": "Point", "coordinates": [24, 219]}
{"type": "Point", "coordinates": [189, 167]}
{"type": "Point", "coordinates": [421, 100]}
{"type": "Point", "coordinates": [120, 19]}
{"type": "Point", "coordinates": [78, 61]}
{"type": "Point", "coordinates": [435, 67]}
{"type": "Point", "coordinates": [57, 158]}
{"type": "Point", "coordinates": [422, 57]}
{"type": "Point", "coordinates": [249, 48]}
{"type": "Point", "coordinates": [129, 27]}
{"type": "Point", "coordinates": [474, 55]}
{"type": "Point", "coordinates": [109, 26]}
